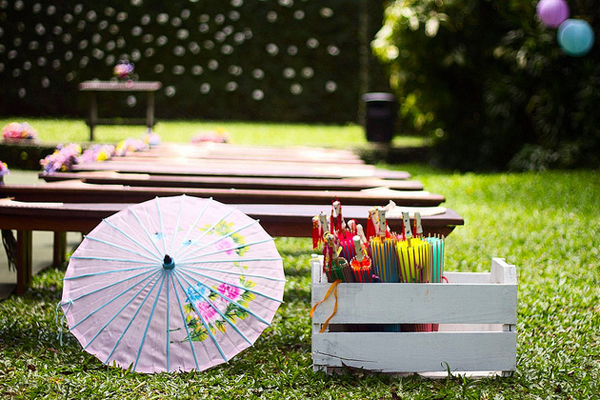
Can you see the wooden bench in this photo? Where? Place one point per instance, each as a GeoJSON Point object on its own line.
{"type": "Point", "coordinates": [281, 187]}
{"type": "Point", "coordinates": [228, 182]}
{"type": "Point", "coordinates": [223, 151]}
{"type": "Point", "coordinates": [277, 219]}
{"type": "Point", "coordinates": [183, 166]}
{"type": "Point", "coordinates": [79, 192]}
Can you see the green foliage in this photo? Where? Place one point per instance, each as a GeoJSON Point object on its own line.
{"type": "Point", "coordinates": [544, 223]}
{"type": "Point", "coordinates": [489, 82]}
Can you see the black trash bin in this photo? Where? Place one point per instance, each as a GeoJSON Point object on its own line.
{"type": "Point", "coordinates": [380, 116]}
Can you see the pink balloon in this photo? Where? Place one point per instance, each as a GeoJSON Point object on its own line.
{"type": "Point", "coordinates": [553, 12]}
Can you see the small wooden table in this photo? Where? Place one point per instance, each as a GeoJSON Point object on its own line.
{"type": "Point", "coordinates": [112, 86]}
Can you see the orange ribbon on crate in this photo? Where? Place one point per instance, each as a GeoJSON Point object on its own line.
{"type": "Point", "coordinates": [333, 288]}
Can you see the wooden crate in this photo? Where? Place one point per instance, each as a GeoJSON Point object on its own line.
{"type": "Point", "coordinates": [476, 313]}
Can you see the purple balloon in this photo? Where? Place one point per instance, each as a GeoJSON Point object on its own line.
{"type": "Point", "coordinates": [553, 12]}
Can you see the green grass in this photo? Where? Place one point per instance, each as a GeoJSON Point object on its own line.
{"type": "Point", "coordinates": [546, 224]}
{"type": "Point", "coordinates": [242, 133]}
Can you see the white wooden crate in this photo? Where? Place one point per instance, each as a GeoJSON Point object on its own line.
{"type": "Point", "coordinates": [477, 313]}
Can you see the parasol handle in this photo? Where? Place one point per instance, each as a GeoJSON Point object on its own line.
{"type": "Point", "coordinates": [337, 208]}
{"type": "Point", "coordinates": [324, 224]}
{"type": "Point", "coordinates": [407, 231]}
{"type": "Point", "coordinates": [357, 248]}
{"type": "Point", "coordinates": [352, 226]}
{"type": "Point", "coordinates": [419, 226]}
{"type": "Point", "coordinates": [381, 216]}
{"type": "Point", "coordinates": [361, 233]}
{"type": "Point", "coordinates": [330, 239]}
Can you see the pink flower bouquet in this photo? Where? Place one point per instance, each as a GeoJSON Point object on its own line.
{"type": "Point", "coordinates": [123, 70]}
{"type": "Point", "coordinates": [216, 136]}
{"type": "Point", "coordinates": [17, 131]}
{"type": "Point", "coordinates": [98, 152]}
{"type": "Point", "coordinates": [128, 146]}
{"type": "Point", "coordinates": [63, 158]}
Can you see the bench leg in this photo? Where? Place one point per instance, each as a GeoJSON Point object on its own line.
{"type": "Point", "coordinates": [24, 260]}
{"type": "Point", "coordinates": [93, 114]}
{"type": "Point", "coordinates": [150, 111]}
{"type": "Point", "coordinates": [60, 249]}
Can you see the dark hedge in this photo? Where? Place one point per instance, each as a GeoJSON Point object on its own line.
{"type": "Point", "coordinates": [285, 60]}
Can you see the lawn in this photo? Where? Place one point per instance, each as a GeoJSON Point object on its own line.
{"type": "Point", "coordinates": [242, 133]}
{"type": "Point", "coordinates": [544, 223]}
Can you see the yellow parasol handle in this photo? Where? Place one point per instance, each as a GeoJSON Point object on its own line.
{"type": "Point", "coordinates": [331, 240]}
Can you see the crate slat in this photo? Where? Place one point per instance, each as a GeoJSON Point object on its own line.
{"type": "Point", "coordinates": [418, 303]}
{"type": "Point", "coordinates": [417, 352]}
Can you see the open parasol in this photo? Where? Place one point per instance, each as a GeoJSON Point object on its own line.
{"type": "Point", "coordinates": [172, 284]}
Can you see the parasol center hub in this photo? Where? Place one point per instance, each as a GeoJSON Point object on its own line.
{"type": "Point", "coordinates": [168, 262]}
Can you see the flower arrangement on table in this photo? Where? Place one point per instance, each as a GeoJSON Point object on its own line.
{"type": "Point", "coordinates": [98, 152]}
{"type": "Point", "coordinates": [3, 171]}
{"type": "Point", "coordinates": [63, 158]}
{"type": "Point", "coordinates": [218, 135]}
{"type": "Point", "coordinates": [130, 145]}
{"type": "Point", "coordinates": [18, 131]}
{"type": "Point", "coordinates": [151, 138]}
{"type": "Point", "coordinates": [123, 70]}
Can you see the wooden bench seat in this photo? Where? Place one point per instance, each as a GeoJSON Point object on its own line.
{"type": "Point", "coordinates": [277, 219]}
{"type": "Point", "coordinates": [227, 182]}
{"type": "Point", "coordinates": [220, 151]}
{"type": "Point", "coordinates": [79, 192]}
{"type": "Point", "coordinates": [185, 166]}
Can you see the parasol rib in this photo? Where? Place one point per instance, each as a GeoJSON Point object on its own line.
{"type": "Point", "coordinates": [226, 318]}
{"type": "Point", "coordinates": [134, 241]}
{"type": "Point", "coordinates": [238, 260]}
{"type": "Point", "coordinates": [218, 239]}
{"type": "Point", "coordinates": [112, 299]}
{"type": "Point", "coordinates": [168, 319]}
{"type": "Point", "coordinates": [144, 229]}
{"type": "Point", "coordinates": [111, 285]}
{"type": "Point", "coordinates": [160, 221]}
{"type": "Point", "coordinates": [148, 265]}
{"type": "Point", "coordinates": [132, 318]}
{"type": "Point", "coordinates": [162, 281]}
{"type": "Point", "coordinates": [231, 300]}
{"type": "Point", "coordinates": [177, 223]}
{"type": "Point", "coordinates": [193, 225]}
{"type": "Point", "coordinates": [240, 246]}
{"type": "Point", "coordinates": [116, 246]}
{"type": "Point", "coordinates": [211, 228]}
{"type": "Point", "coordinates": [187, 331]}
{"type": "Point", "coordinates": [230, 284]}
{"type": "Point", "coordinates": [117, 313]}
{"type": "Point", "coordinates": [212, 336]}
{"type": "Point", "coordinates": [271, 278]}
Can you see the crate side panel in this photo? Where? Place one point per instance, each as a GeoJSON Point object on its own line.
{"type": "Point", "coordinates": [413, 352]}
{"type": "Point", "coordinates": [418, 303]}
